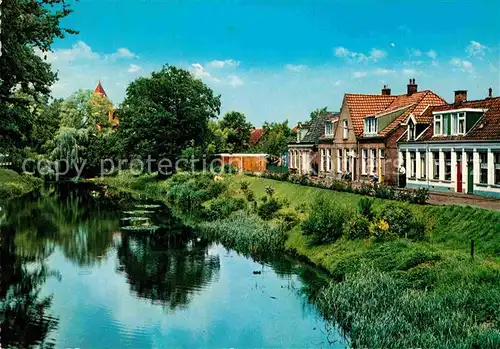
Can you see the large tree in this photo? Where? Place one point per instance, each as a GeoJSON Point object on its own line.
{"type": "Point", "coordinates": [165, 113]}
{"type": "Point", "coordinates": [317, 112]}
{"type": "Point", "coordinates": [238, 130]}
{"type": "Point", "coordinates": [29, 28]}
{"type": "Point", "coordinates": [274, 141]}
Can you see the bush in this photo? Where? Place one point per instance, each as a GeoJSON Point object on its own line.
{"type": "Point", "coordinates": [420, 196]}
{"type": "Point", "coordinates": [325, 220]}
{"type": "Point", "coordinates": [268, 208]}
{"type": "Point", "coordinates": [380, 230]}
{"type": "Point", "coordinates": [402, 222]}
{"type": "Point", "coordinates": [244, 185]}
{"type": "Point", "coordinates": [365, 208]}
{"type": "Point", "coordinates": [288, 219]}
{"type": "Point", "coordinates": [250, 196]}
{"type": "Point", "coordinates": [222, 207]}
{"type": "Point", "coordinates": [357, 227]}
{"type": "Point", "coordinates": [385, 192]}
{"type": "Point", "coordinates": [269, 190]}
{"type": "Point", "coordinates": [365, 189]}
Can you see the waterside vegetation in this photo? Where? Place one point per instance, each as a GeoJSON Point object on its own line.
{"type": "Point", "coordinates": [402, 274]}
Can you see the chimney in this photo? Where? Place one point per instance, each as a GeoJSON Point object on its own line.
{"type": "Point", "coordinates": [299, 126]}
{"type": "Point", "coordinates": [490, 93]}
{"type": "Point", "coordinates": [386, 91]}
{"type": "Point", "coordinates": [460, 96]}
{"type": "Point", "coordinates": [412, 87]}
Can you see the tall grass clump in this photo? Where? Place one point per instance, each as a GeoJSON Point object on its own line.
{"type": "Point", "coordinates": [325, 220]}
{"type": "Point", "coordinates": [245, 233]}
{"type": "Point", "coordinates": [379, 312]}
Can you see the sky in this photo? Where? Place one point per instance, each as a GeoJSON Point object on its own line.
{"type": "Point", "coordinates": [278, 60]}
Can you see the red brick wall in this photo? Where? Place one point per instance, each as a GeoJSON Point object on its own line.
{"type": "Point", "coordinates": [391, 154]}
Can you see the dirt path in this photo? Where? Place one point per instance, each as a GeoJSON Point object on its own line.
{"type": "Point", "coordinates": [460, 199]}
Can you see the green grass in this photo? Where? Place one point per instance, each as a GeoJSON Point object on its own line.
{"type": "Point", "coordinates": [391, 294]}
{"type": "Point", "coordinates": [13, 184]}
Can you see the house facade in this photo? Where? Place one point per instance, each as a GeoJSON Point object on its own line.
{"type": "Point", "coordinates": [454, 147]}
{"type": "Point", "coordinates": [363, 142]}
{"type": "Point", "coordinates": [303, 149]}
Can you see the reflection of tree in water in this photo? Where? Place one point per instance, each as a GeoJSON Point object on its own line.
{"type": "Point", "coordinates": [168, 268]}
{"type": "Point", "coordinates": [24, 322]}
{"type": "Point", "coordinates": [80, 224]}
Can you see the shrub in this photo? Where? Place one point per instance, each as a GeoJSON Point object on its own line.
{"type": "Point", "coordinates": [380, 230]}
{"type": "Point", "coordinates": [365, 189]}
{"type": "Point", "coordinates": [357, 227]}
{"type": "Point", "coordinates": [325, 220]}
{"type": "Point", "coordinates": [365, 208]}
{"type": "Point", "coordinates": [420, 196]}
{"type": "Point", "coordinates": [288, 219]}
{"type": "Point", "coordinates": [250, 196]}
{"type": "Point", "coordinates": [269, 190]}
{"type": "Point", "coordinates": [402, 222]}
{"type": "Point", "coordinates": [385, 192]}
{"type": "Point", "coordinates": [244, 185]}
{"type": "Point", "coordinates": [268, 208]}
{"type": "Point", "coordinates": [222, 207]}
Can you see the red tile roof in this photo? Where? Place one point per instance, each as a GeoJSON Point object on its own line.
{"type": "Point", "coordinates": [100, 90]}
{"type": "Point", "coordinates": [256, 135]}
{"type": "Point", "coordinates": [361, 106]}
{"type": "Point", "coordinates": [487, 128]}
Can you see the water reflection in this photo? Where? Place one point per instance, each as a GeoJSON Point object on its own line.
{"type": "Point", "coordinates": [70, 277]}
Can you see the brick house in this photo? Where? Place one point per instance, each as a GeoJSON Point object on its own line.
{"type": "Point", "coordinates": [365, 135]}
{"type": "Point", "coordinates": [454, 147]}
{"type": "Point", "coordinates": [303, 149]}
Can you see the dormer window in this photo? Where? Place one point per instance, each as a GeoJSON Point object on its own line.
{"type": "Point", "coordinates": [370, 126]}
{"type": "Point", "coordinates": [411, 130]}
{"type": "Point", "coordinates": [329, 129]}
{"type": "Point", "coordinates": [457, 124]}
{"type": "Point", "coordinates": [438, 125]}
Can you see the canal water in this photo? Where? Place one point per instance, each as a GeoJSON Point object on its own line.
{"type": "Point", "coordinates": [74, 277]}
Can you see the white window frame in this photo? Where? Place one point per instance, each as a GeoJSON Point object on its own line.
{"type": "Point", "coordinates": [322, 163]}
{"type": "Point", "coordinates": [346, 129]}
{"type": "Point", "coordinates": [364, 162]}
{"type": "Point", "coordinates": [454, 124]}
{"type": "Point", "coordinates": [373, 160]}
{"type": "Point", "coordinates": [329, 129]}
{"type": "Point", "coordinates": [461, 117]}
{"type": "Point", "coordinates": [438, 131]}
{"type": "Point", "coordinates": [371, 126]}
{"type": "Point", "coordinates": [348, 160]}
{"type": "Point", "coordinates": [423, 165]}
{"type": "Point", "coordinates": [329, 160]}
{"type": "Point", "coordinates": [339, 160]}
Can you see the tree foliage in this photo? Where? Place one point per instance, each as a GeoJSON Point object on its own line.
{"type": "Point", "coordinates": [238, 130]}
{"type": "Point", "coordinates": [29, 28]}
{"type": "Point", "coordinates": [275, 138]}
{"type": "Point", "coordinates": [163, 114]}
{"type": "Point", "coordinates": [317, 112]}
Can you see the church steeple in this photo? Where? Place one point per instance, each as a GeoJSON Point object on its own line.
{"type": "Point", "coordinates": [100, 90]}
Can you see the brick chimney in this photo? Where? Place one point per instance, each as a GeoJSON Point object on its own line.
{"type": "Point", "coordinates": [386, 91]}
{"type": "Point", "coordinates": [490, 93]}
{"type": "Point", "coordinates": [460, 96]}
{"type": "Point", "coordinates": [412, 87]}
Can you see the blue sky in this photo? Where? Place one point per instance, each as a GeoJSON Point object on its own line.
{"type": "Point", "coordinates": [277, 60]}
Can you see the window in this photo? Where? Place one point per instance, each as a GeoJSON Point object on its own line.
{"type": "Point", "coordinates": [348, 160]}
{"type": "Point", "coordinates": [373, 158]}
{"type": "Point", "coordinates": [339, 161]}
{"type": "Point", "coordinates": [423, 167]}
{"type": "Point", "coordinates": [447, 166]}
{"type": "Point", "coordinates": [413, 165]}
{"type": "Point", "coordinates": [461, 124]}
{"type": "Point", "coordinates": [328, 129]}
{"type": "Point", "coordinates": [454, 123]}
{"type": "Point", "coordinates": [323, 160]}
{"type": "Point", "coordinates": [411, 131]}
{"type": "Point", "coordinates": [445, 125]}
{"type": "Point", "coordinates": [370, 126]}
{"type": "Point", "coordinates": [497, 168]}
{"type": "Point", "coordinates": [346, 129]}
{"type": "Point", "coordinates": [329, 160]}
{"type": "Point", "coordinates": [364, 163]}
{"type": "Point", "coordinates": [435, 157]}
{"type": "Point", "coordinates": [438, 122]}
{"type": "Point", "coordinates": [483, 165]}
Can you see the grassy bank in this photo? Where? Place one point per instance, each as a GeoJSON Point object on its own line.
{"type": "Point", "coordinates": [13, 184]}
{"type": "Point", "coordinates": [397, 293]}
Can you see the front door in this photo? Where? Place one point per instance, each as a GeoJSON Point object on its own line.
{"type": "Point", "coordinates": [459, 176]}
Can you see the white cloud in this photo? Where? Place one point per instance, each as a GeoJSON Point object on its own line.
{"type": "Point", "coordinates": [383, 71]}
{"type": "Point", "coordinates": [134, 68]}
{"type": "Point", "coordinates": [235, 81]}
{"type": "Point", "coordinates": [463, 65]}
{"type": "Point", "coordinates": [125, 52]}
{"type": "Point", "coordinates": [359, 74]}
{"type": "Point", "coordinates": [393, 44]}
{"type": "Point", "coordinates": [476, 49]}
{"type": "Point", "coordinates": [229, 63]}
{"type": "Point", "coordinates": [415, 52]}
{"type": "Point", "coordinates": [78, 51]}
{"type": "Point", "coordinates": [200, 72]}
{"type": "Point", "coordinates": [432, 54]}
{"type": "Point", "coordinates": [295, 67]}
{"type": "Point", "coordinates": [409, 71]}
{"type": "Point", "coordinates": [374, 56]}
